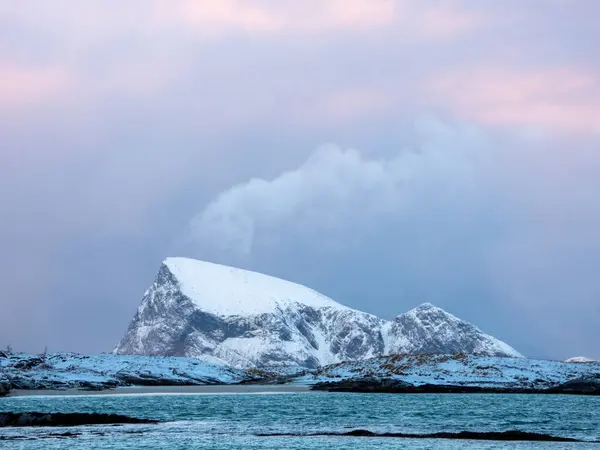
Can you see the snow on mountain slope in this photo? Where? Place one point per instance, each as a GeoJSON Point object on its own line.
{"type": "Point", "coordinates": [227, 291]}
{"type": "Point", "coordinates": [231, 316]}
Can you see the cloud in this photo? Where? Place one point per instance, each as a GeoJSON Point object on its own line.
{"type": "Point", "coordinates": [24, 87]}
{"type": "Point", "coordinates": [441, 19]}
{"type": "Point", "coordinates": [361, 13]}
{"type": "Point", "coordinates": [229, 17]}
{"type": "Point", "coordinates": [193, 56]}
{"type": "Point", "coordinates": [95, 22]}
{"type": "Point", "coordinates": [563, 98]}
{"type": "Point", "coordinates": [213, 19]}
{"type": "Point", "coordinates": [337, 188]}
{"type": "Point", "coordinates": [444, 21]}
{"type": "Point", "coordinates": [348, 105]}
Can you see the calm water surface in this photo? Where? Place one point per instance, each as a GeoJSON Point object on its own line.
{"type": "Point", "coordinates": [230, 421]}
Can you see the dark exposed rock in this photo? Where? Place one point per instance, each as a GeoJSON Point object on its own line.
{"type": "Point", "coordinates": [38, 419]}
{"type": "Point", "coordinates": [512, 435]}
{"type": "Point", "coordinates": [66, 434]}
{"type": "Point", "coordinates": [365, 385]}
{"type": "Point", "coordinates": [5, 384]}
{"type": "Point", "coordinates": [148, 379]}
{"type": "Point", "coordinates": [30, 380]}
{"type": "Point", "coordinates": [89, 386]}
{"type": "Point", "coordinates": [391, 386]}
{"type": "Point", "coordinates": [589, 386]}
{"type": "Point", "coordinates": [28, 363]}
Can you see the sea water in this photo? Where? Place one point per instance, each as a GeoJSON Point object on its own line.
{"type": "Point", "coordinates": [222, 421]}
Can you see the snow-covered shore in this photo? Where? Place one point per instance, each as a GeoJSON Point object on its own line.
{"type": "Point", "coordinates": [459, 370]}
{"type": "Point", "coordinates": [74, 371]}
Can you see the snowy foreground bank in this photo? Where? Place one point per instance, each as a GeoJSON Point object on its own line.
{"type": "Point", "coordinates": [457, 373]}
{"type": "Point", "coordinates": [70, 370]}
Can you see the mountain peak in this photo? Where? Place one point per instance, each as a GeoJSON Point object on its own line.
{"type": "Point", "coordinates": [430, 329]}
{"type": "Point", "coordinates": [426, 307]}
{"type": "Point", "coordinates": [427, 311]}
{"type": "Point", "coordinates": [579, 359]}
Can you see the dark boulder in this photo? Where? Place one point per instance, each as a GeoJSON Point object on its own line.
{"type": "Point", "coordinates": [38, 419]}
{"type": "Point", "coordinates": [5, 385]}
{"type": "Point", "coordinates": [584, 386]}
{"type": "Point", "coordinates": [589, 386]}
{"type": "Point", "coordinates": [510, 435]}
{"type": "Point", "coordinates": [28, 363]}
{"type": "Point", "coordinates": [383, 385]}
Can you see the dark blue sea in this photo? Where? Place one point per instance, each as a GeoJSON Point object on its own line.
{"type": "Point", "coordinates": [231, 421]}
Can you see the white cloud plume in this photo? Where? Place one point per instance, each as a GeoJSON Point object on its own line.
{"type": "Point", "coordinates": [337, 189]}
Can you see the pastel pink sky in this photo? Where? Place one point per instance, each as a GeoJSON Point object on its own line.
{"type": "Point", "coordinates": [23, 87]}
{"type": "Point", "coordinates": [500, 88]}
{"type": "Point", "coordinates": [120, 121]}
{"type": "Point", "coordinates": [563, 99]}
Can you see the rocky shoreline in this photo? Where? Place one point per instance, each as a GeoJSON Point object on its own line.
{"type": "Point", "coordinates": [390, 386]}
{"type": "Point", "coordinates": [411, 374]}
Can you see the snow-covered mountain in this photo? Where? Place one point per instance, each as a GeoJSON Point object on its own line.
{"type": "Point", "coordinates": [579, 359]}
{"type": "Point", "coordinates": [246, 319]}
